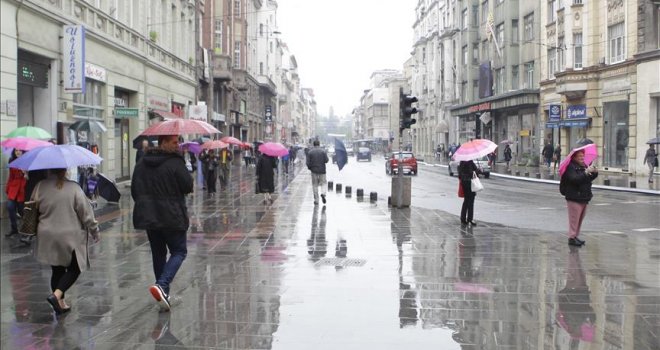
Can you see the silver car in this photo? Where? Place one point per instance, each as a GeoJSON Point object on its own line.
{"type": "Point", "coordinates": [481, 163]}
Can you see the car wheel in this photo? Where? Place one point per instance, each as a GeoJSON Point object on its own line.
{"type": "Point", "coordinates": [487, 175]}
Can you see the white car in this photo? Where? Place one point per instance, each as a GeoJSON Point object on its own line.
{"type": "Point", "coordinates": [481, 163]}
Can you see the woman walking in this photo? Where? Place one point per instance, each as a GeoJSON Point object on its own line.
{"type": "Point", "coordinates": [15, 190]}
{"type": "Point", "coordinates": [651, 159]}
{"type": "Point", "coordinates": [575, 185]}
{"type": "Point", "coordinates": [66, 218]}
{"type": "Point", "coordinates": [265, 176]}
{"type": "Point", "coordinates": [466, 169]}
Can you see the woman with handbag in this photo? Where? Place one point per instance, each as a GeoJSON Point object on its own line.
{"type": "Point", "coordinates": [466, 171]}
{"type": "Point", "coordinates": [15, 190]}
{"type": "Point", "coordinates": [66, 218]}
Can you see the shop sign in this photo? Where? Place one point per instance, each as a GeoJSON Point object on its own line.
{"type": "Point", "coordinates": [120, 102]}
{"type": "Point", "coordinates": [523, 133]}
{"type": "Point", "coordinates": [577, 111]}
{"type": "Point", "coordinates": [480, 107]}
{"type": "Point", "coordinates": [583, 123]}
{"type": "Point", "coordinates": [126, 112]}
{"type": "Point", "coordinates": [95, 72]}
{"type": "Point", "coordinates": [555, 112]}
{"type": "Point", "coordinates": [197, 112]}
{"type": "Point", "coordinates": [551, 125]}
{"type": "Point", "coordinates": [73, 52]}
{"type": "Point", "coordinates": [158, 103]}
{"type": "Point", "coordinates": [269, 114]}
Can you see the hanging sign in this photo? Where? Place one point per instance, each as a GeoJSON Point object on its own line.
{"type": "Point", "coordinates": [73, 52]}
{"type": "Point", "coordinates": [555, 112]}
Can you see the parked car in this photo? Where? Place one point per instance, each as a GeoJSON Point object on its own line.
{"type": "Point", "coordinates": [409, 163]}
{"type": "Point", "coordinates": [363, 153]}
{"type": "Point", "coordinates": [481, 163]}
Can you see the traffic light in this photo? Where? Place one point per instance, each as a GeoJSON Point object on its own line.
{"type": "Point", "coordinates": [406, 110]}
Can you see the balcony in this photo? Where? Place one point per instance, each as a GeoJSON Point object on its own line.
{"type": "Point", "coordinates": [222, 69]}
{"type": "Point", "coordinates": [268, 84]}
{"type": "Point", "coordinates": [240, 78]}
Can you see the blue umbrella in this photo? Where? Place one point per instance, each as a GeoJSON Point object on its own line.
{"type": "Point", "coordinates": [55, 157]}
{"type": "Point", "coordinates": [340, 153]}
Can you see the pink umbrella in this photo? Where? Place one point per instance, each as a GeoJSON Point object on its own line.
{"type": "Point", "coordinates": [474, 149]}
{"type": "Point", "coordinates": [590, 154]}
{"type": "Point", "coordinates": [273, 149]}
{"type": "Point", "coordinates": [24, 143]}
{"type": "Point", "coordinates": [214, 144]}
{"type": "Point", "coordinates": [232, 140]}
{"type": "Point", "coordinates": [180, 127]}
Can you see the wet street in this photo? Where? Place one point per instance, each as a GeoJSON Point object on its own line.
{"type": "Point", "coordinates": [358, 275]}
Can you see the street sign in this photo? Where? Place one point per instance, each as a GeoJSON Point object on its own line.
{"type": "Point", "coordinates": [121, 112]}
{"type": "Point", "coordinates": [555, 112]}
{"type": "Point", "coordinates": [269, 114]}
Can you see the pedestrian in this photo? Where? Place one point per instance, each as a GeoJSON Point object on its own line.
{"type": "Point", "coordinates": [466, 170]}
{"type": "Point", "coordinates": [285, 164]}
{"type": "Point", "coordinates": [224, 159]}
{"type": "Point", "coordinates": [507, 155]}
{"type": "Point", "coordinates": [651, 160]}
{"type": "Point", "coordinates": [556, 157]}
{"type": "Point", "coordinates": [247, 156]}
{"type": "Point", "coordinates": [265, 176]}
{"type": "Point", "coordinates": [204, 160]}
{"type": "Point", "coordinates": [159, 186]}
{"type": "Point", "coordinates": [292, 156]}
{"type": "Point", "coordinates": [575, 185]}
{"type": "Point", "coordinates": [66, 218]}
{"type": "Point", "coordinates": [547, 154]}
{"type": "Point", "coordinates": [141, 150]}
{"type": "Point", "coordinates": [210, 163]}
{"type": "Point", "coordinates": [316, 160]}
{"type": "Point", "coordinates": [15, 191]}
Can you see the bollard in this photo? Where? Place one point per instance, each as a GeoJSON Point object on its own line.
{"type": "Point", "coordinates": [389, 201]}
{"type": "Point", "coordinates": [359, 193]}
{"type": "Point", "coordinates": [606, 182]}
{"type": "Point", "coordinates": [633, 184]}
{"type": "Point", "coordinates": [348, 191]}
{"type": "Point", "coordinates": [373, 196]}
{"type": "Point", "coordinates": [526, 173]}
{"type": "Point", "coordinates": [538, 175]}
{"type": "Point", "coordinates": [330, 185]}
{"type": "Point", "coordinates": [551, 176]}
{"type": "Point", "coordinates": [517, 173]}
{"type": "Point", "coordinates": [338, 188]}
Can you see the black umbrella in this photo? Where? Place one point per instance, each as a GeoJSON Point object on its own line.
{"type": "Point", "coordinates": [137, 142]}
{"type": "Point", "coordinates": [653, 141]}
{"type": "Point", "coordinates": [107, 189]}
{"type": "Point", "coordinates": [340, 153]}
{"type": "Point", "coordinates": [88, 125]}
{"type": "Point", "coordinates": [583, 142]}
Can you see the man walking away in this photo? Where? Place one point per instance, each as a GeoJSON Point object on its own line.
{"type": "Point", "coordinates": [160, 183]}
{"type": "Point", "coordinates": [651, 159]}
{"type": "Point", "coordinates": [316, 160]}
{"type": "Point", "coordinates": [547, 153]}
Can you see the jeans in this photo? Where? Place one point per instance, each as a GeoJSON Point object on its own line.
{"type": "Point", "coordinates": [63, 277]}
{"type": "Point", "coordinates": [210, 181]}
{"type": "Point", "coordinates": [467, 210]}
{"type": "Point", "coordinates": [165, 269]}
{"type": "Point", "coordinates": [318, 180]}
{"type": "Point", "coordinates": [13, 207]}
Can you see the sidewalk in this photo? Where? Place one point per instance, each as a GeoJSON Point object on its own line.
{"type": "Point", "coordinates": [348, 275]}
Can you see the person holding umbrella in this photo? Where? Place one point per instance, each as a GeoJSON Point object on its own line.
{"type": "Point", "coordinates": [576, 177]}
{"type": "Point", "coordinates": [507, 155]}
{"type": "Point", "coordinates": [466, 153]}
{"type": "Point", "coordinates": [651, 159]}
{"type": "Point", "coordinates": [15, 191]}
{"type": "Point", "coordinates": [265, 176]}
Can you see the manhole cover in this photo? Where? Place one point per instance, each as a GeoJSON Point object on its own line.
{"type": "Point", "coordinates": [344, 262]}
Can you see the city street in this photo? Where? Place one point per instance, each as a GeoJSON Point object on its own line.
{"type": "Point", "coordinates": [359, 275]}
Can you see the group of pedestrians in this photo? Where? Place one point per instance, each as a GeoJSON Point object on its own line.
{"type": "Point", "coordinates": [216, 165]}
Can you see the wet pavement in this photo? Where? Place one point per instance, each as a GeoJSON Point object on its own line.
{"type": "Point", "coordinates": [348, 275]}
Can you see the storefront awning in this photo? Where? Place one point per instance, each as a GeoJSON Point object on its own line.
{"type": "Point", "coordinates": [163, 114]}
{"type": "Point", "coordinates": [508, 100]}
{"type": "Point", "coordinates": [569, 123]}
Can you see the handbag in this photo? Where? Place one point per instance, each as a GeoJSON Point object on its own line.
{"type": "Point", "coordinates": [461, 193]}
{"type": "Point", "coordinates": [476, 183]}
{"type": "Point", "coordinates": [655, 162]}
{"type": "Point", "coordinates": [30, 218]}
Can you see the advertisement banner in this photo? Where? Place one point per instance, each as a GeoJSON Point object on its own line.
{"type": "Point", "coordinates": [577, 111]}
{"type": "Point", "coordinates": [555, 112]}
{"type": "Point", "coordinates": [197, 112]}
{"type": "Point", "coordinates": [73, 51]}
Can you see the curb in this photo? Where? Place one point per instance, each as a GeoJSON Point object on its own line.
{"type": "Point", "coordinates": [556, 182]}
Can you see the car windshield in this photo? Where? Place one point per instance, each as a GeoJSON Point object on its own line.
{"type": "Point", "coordinates": [405, 155]}
{"type": "Point", "coordinates": [363, 149]}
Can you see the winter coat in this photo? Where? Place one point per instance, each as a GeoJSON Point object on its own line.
{"type": "Point", "coordinates": [465, 170]}
{"type": "Point", "coordinates": [160, 183]}
{"type": "Point", "coordinates": [34, 177]}
{"type": "Point", "coordinates": [65, 219]}
{"type": "Point", "coordinates": [548, 150]}
{"type": "Point", "coordinates": [507, 154]}
{"type": "Point", "coordinates": [15, 188]}
{"type": "Point", "coordinates": [577, 183]}
{"type": "Point", "coordinates": [650, 156]}
{"type": "Point", "coordinates": [265, 176]}
{"type": "Point", "coordinates": [316, 159]}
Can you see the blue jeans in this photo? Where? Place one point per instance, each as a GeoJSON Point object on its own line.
{"type": "Point", "coordinates": [165, 269]}
{"type": "Point", "coordinates": [13, 207]}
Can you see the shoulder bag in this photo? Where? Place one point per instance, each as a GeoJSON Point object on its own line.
{"type": "Point", "coordinates": [30, 218]}
{"type": "Point", "coordinates": [476, 183]}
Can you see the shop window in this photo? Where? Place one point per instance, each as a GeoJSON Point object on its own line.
{"type": "Point", "coordinates": [89, 104]}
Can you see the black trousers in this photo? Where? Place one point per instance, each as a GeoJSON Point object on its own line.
{"type": "Point", "coordinates": [64, 276]}
{"type": "Point", "coordinates": [467, 210]}
{"type": "Point", "coordinates": [211, 178]}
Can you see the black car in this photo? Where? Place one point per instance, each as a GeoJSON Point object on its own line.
{"type": "Point", "coordinates": [363, 153]}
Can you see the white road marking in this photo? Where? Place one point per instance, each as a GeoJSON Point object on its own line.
{"type": "Point", "coordinates": [629, 202]}
{"type": "Point", "coordinates": [602, 204]}
{"type": "Point", "coordinates": [615, 232]}
{"type": "Point", "coordinates": [648, 229]}
{"type": "Point", "coordinates": [545, 208]}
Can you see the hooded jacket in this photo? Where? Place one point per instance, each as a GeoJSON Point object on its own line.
{"type": "Point", "coordinates": [160, 183]}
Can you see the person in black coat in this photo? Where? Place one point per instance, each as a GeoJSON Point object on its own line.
{"type": "Point", "coordinates": [465, 171]}
{"type": "Point", "coordinates": [265, 176]}
{"type": "Point", "coordinates": [575, 185]}
{"type": "Point", "coordinates": [159, 186]}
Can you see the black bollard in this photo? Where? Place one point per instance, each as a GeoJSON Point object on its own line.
{"type": "Point", "coordinates": [330, 185]}
{"type": "Point", "coordinates": [551, 176]}
{"type": "Point", "coordinates": [517, 173]}
{"type": "Point", "coordinates": [338, 188]}
{"type": "Point", "coordinates": [538, 175]}
{"type": "Point", "coordinates": [359, 193]}
{"type": "Point", "coordinates": [373, 196]}
{"type": "Point", "coordinates": [606, 182]}
{"type": "Point", "coordinates": [633, 184]}
{"type": "Point", "coordinates": [348, 190]}
{"type": "Point", "coordinates": [526, 173]}
{"type": "Point", "coordinates": [389, 201]}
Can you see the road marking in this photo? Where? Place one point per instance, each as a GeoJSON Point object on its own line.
{"type": "Point", "coordinates": [545, 208]}
{"type": "Point", "coordinates": [602, 204]}
{"type": "Point", "coordinates": [615, 232]}
{"type": "Point", "coordinates": [648, 229]}
{"type": "Point", "coordinates": [629, 202]}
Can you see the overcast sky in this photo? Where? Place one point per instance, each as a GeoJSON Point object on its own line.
{"type": "Point", "coordinates": [339, 43]}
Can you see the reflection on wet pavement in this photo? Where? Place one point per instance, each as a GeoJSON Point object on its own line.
{"type": "Point", "coordinates": [261, 276]}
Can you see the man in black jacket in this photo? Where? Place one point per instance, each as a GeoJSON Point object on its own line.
{"type": "Point", "coordinates": [160, 183]}
{"type": "Point", "coordinates": [316, 159]}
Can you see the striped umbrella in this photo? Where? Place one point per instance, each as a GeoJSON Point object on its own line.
{"type": "Point", "coordinates": [474, 149]}
{"type": "Point", "coordinates": [180, 127]}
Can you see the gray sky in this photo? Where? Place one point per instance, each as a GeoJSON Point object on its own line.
{"type": "Point", "coordinates": [339, 43]}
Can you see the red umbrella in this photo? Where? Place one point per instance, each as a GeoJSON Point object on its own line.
{"type": "Point", "coordinates": [232, 140]}
{"type": "Point", "coordinates": [24, 143]}
{"type": "Point", "coordinates": [180, 127]}
{"type": "Point", "coordinates": [213, 144]}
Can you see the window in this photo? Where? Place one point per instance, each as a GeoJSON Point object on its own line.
{"type": "Point", "coordinates": [217, 35]}
{"type": "Point", "coordinates": [237, 54]}
{"type": "Point", "coordinates": [464, 91]}
{"type": "Point", "coordinates": [484, 11]}
{"type": "Point", "coordinates": [500, 2]}
{"type": "Point", "coordinates": [237, 8]}
{"type": "Point", "coordinates": [475, 53]}
{"type": "Point", "coordinates": [657, 34]}
{"type": "Point", "coordinates": [577, 51]}
{"type": "Point", "coordinates": [465, 19]}
{"type": "Point", "coordinates": [529, 27]}
{"type": "Point", "coordinates": [499, 80]}
{"type": "Point", "coordinates": [615, 34]}
{"type": "Point", "coordinates": [552, 11]}
{"type": "Point", "coordinates": [514, 31]}
{"type": "Point", "coordinates": [465, 55]}
{"type": "Point", "coordinates": [261, 68]}
{"type": "Point", "coordinates": [499, 34]}
{"type": "Point", "coordinates": [475, 90]}
{"type": "Point", "coordinates": [514, 77]}
{"type": "Point", "coordinates": [484, 50]}
{"type": "Point", "coordinates": [475, 14]}
{"type": "Point", "coordinates": [561, 54]}
{"type": "Point", "coordinates": [529, 75]}
{"type": "Point", "coordinates": [552, 63]}
{"type": "Point", "coordinates": [89, 104]}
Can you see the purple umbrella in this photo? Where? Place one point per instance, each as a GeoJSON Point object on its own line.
{"type": "Point", "coordinates": [55, 157]}
{"type": "Point", "coordinates": [192, 146]}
